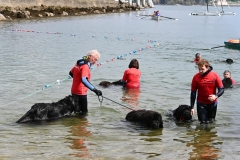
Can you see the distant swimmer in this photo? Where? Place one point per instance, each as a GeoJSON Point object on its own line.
{"type": "Point", "coordinates": [227, 80]}
{"type": "Point", "coordinates": [198, 57]}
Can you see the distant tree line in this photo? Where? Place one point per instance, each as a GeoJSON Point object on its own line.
{"type": "Point", "coordinates": [186, 2]}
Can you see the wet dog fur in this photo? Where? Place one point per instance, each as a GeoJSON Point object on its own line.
{"type": "Point", "coordinates": [107, 83]}
{"type": "Point", "coordinates": [147, 118]}
{"type": "Point", "coordinates": [227, 83]}
{"type": "Point", "coordinates": [182, 113]}
{"type": "Point", "coordinates": [229, 61]}
{"type": "Point", "coordinates": [49, 111]}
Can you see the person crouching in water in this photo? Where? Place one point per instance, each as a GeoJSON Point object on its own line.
{"type": "Point", "coordinates": [227, 80]}
{"type": "Point", "coordinates": [131, 76]}
{"type": "Point", "coordinates": [205, 84]}
{"type": "Point", "coordinates": [198, 57]}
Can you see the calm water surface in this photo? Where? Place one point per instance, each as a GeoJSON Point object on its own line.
{"type": "Point", "coordinates": [30, 60]}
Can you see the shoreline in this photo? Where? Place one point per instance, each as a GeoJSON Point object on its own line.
{"type": "Point", "coordinates": [8, 13]}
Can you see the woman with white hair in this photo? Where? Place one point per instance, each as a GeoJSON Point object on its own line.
{"type": "Point", "coordinates": [81, 78]}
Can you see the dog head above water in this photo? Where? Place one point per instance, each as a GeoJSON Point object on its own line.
{"type": "Point", "coordinates": [107, 83]}
{"type": "Point", "coordinates": [146, 118]}
{"type": "Point", "coordinates": [229, 61]}
{"type": "Point", "coordinates": [227, 82]}
{"type": "Point", "coordinates": [182, 113]}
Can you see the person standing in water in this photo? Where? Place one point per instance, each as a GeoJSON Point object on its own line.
{"type": "Point", "coordinates": [204, 85]}
{"type": "Point", "coordinates": [81, 78]}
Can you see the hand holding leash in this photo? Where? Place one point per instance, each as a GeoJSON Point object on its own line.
{"type": "Point", "coordinates": [98, 92]}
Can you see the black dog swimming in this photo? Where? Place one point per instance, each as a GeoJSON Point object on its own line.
{"type": "Point", "coordinates": [182, 113]}
{"type": "Point", "coordinates": [49, 111]}
{"type": "Point", "coordinates": [147, 118]}
{"type": "Point", "coordinates": [227, 83]}
{"type": "Point", "coordinates": [107, 83]}
{"type": "Point", "coordinates": [229, 61]}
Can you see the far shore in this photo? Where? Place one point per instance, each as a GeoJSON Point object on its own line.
{"type": "Point", "coordinates": [43, 11]}
{"type": "Point", "coordinates": [33, 12]}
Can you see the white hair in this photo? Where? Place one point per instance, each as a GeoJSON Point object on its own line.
{"type": "Point", "coordinates": [94, 53]}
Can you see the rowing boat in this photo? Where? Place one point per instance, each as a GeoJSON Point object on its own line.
{"type": "Point", "coordinates": [157, 18]}
{"type": "Point", "coordinates": [234, 44]}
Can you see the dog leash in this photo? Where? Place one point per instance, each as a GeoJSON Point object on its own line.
{"type": "Point", "coordinates": [100, 100]}
{"type": "Point", "coordinates": [115, 102]}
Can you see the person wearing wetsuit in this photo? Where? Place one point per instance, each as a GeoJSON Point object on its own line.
{"type": "Point", "coordinates": [198, 57]}
{"type": "Point", "coordinates": [131, 76]}
{"type": "Point", "coordinates": [227, 74]}
{"type": "Point", "coordinates": [204, 84]}
{"type": "Point", "coordinates": [81, 78]}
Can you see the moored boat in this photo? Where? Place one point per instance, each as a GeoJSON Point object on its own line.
{"type": "Point", "coordinates": [205, 14]}
{"type": "Point", "coordinates": [227, 13]}
{"type": "Point", "coordinates": [234, 44]}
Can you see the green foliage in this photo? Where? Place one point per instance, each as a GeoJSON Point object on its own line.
{"type": "Point", "coordinates": [8, 8]}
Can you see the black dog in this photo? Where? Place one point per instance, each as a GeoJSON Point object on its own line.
{"type": "Point", "coordinates": [146, 118]}
{"type": "Point", "coordinates": [229, 61]}
{"type": "Point", "coordinates": [227, 82]}
{"type": "Point", "coordinates": [107, 83]}
{"type": "Point", "coordinates": [182, 113]}
{"type": "Point", "coordinates": [48, 111]}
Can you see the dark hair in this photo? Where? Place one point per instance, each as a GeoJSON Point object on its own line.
{"type": "Point", "coordinates": [134, 64]}
{"type": "Point", "coordinates": [197, 54]}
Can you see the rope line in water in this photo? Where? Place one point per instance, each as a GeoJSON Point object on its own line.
{"type": "Point", "coordinates": [69, 77]}
{"type": "Point", "coordinates": [93, 36]}
{"type": "Point", "coordinates": [45, 87]}
{"type": "Point", "coordinates": [121, 56]}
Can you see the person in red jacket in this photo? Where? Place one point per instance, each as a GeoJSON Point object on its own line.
{"type": "Point", "coordinates": [205, 84]}
{"type": "Point", "coordinates": [131, 76]}
{"type": "Point", "coordinates": [81, 78]}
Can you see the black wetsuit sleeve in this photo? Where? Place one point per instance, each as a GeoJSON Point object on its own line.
{"type": "Point", "coordinates": [192, 99]}
{"type": "Point", "coordinates": [220, 92]}
{"type": "Point", "coordinates": [71, 74]}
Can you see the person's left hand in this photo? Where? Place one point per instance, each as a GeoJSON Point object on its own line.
{"type": "Point", "coordinates": [192, 112]}
{"type": "Point", "coordinates": [98, 92]}
{"type": "Point", "coordinates": [212, 97]}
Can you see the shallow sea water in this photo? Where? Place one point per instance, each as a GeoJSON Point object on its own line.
{"type": "Point", "coordinates": [30, 60]}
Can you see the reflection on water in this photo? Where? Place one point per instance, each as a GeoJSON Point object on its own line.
{"type": "Point", "coordinates": [205, 143]}
{"type": "Point", "coordinates": [78, 135]}
{"type": "Point", "coordinates": [131, 96]}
